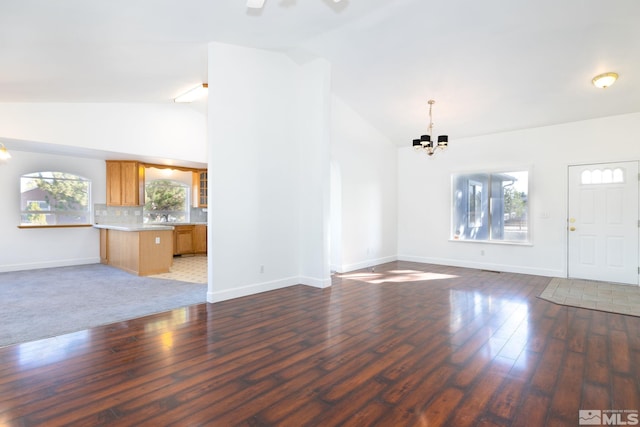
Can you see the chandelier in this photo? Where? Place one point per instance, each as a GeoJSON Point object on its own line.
{"type": "Point", "coordinates": [425, 143]}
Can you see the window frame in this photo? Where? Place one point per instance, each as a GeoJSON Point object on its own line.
{"type": "Point", "coordinates": [52, 210]}
{"type": "Point", "coordinates": [489, 211]}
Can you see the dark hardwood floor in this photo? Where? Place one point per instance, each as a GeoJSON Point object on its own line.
{"type": "Point", "coordinates": [411, 344]}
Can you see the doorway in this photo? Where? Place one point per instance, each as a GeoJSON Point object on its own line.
{"type": "Point", "coordinates": [602, 237]}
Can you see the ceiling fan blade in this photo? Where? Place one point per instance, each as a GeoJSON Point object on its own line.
{"type": "Point", "coordinates": [255, 4]}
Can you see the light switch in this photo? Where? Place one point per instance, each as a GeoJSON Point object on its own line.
{"type": "Point", "coordinates": [157, 240]}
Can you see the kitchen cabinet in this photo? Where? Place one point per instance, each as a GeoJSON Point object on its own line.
{"type": "Point", "coordinates": [200, 239]}
{"type": "Point", "coordinates": [190, 239]}
{"type": "Point", "coordinates": [125, 183]}
{"type": "Point", "coordinates": [200, 186]}
{"type": "Point", "coordinates": [183, 240]}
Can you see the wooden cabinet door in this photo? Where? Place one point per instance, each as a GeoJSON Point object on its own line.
{"type": "Point", "coordinates": [183, 240]}
{"type": "Point", "coordinates": [125, 183]}
{"type": "Point", "coordinates": [199, 187]}
{"type": "Point", "coordinates": [200, 239]}
{"type": "Point", "coordinates": [130, 184]}
{"type": "Point", "coordinates": [114, 184]}
{"type": "Point", "coordinates": [204, 183]}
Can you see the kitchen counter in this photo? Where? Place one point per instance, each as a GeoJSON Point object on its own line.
{"type": "Point", "coordinates": [178, 223]}
{"type": "Point", "coordinates": [134, 227]}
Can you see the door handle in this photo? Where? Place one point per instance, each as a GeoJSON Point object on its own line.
{"type": "Point", "coordinates": [572, 229]}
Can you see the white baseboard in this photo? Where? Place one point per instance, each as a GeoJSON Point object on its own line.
{"type": "Point", "coordinates": [365, 264]}
{"type": "Point", "coordinates": [48, 264]}
{"type": "Point", "coordinates": [315, 282]}
{"type": "Point", "coordinates": [243, 291]}
{"type": "Point", "coordinates": [547, 272]}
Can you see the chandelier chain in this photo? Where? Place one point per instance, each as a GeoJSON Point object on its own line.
{"type": "Point", "coordinates": [431, 102]}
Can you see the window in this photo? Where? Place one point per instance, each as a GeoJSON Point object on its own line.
{"type": "Point", "coordinates": [607, 176]}
{"type": "Point", "coordinates": [166, 201]}
{"type": "Point", "coordinates": [54, 198]}
{"type": "Point", "coordinates": [474, 204]}
{"type": "Point", "coordinates": [491, 207]}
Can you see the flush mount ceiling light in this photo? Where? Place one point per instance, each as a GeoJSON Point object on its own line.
{"type": "Point", "coordinates": [193, 94]}
{"type": "Point", "coordinates": [425, 143]}
{"type": "Point", "coordinates": [4, 154]}
{"type": "Point", "coordinates": [604, 80]}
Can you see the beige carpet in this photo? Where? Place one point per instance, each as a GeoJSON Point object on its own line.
{"type": "Point", "coordinates": [611, 297]}
{"type": "Point", "coordinates": [191, 269]}
{"type": "Point", "coordinates": [51, 302]}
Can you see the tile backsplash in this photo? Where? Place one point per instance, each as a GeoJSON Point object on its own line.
{"type": "Point", "coordinates": [198, 214]}
{"type": "Point", "coordinates": [104, 214]}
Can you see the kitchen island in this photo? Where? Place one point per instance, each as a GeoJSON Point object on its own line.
{"type": "Point", "coordinates": [140, 249]}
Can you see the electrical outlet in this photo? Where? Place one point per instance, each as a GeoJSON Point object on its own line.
{"type": "Point", "coordinates": [157, 240]}
{"type": "Point", "coordinates": [262, 269]}
{"type": "Point", "coordinates": [482, 252]}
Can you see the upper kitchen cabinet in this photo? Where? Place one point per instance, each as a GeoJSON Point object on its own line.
{"type": "Point", "coordinates": [125, 183]}
{"type": "Point", "coordinates": [200, 189]}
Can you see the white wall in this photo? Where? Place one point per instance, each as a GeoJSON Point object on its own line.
{"type": "Point", "coordinates": [173, 131]}
{"type": "Point", "coordinates": [256, 168]}
{"type": "Point", "coordinates": [312, 135]}
{"type": "Point", "coordinates": [23, 249]}
{"type": "Point", "coordinates": [424, 191]}
{"type": "Point", "coordinates": [366, 163]}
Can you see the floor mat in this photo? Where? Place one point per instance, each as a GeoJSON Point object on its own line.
{"type": "Point", "coordinates": [604, 296]}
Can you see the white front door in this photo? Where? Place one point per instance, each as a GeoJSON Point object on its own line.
{"type": "Point", "coordinates": [603, 222]}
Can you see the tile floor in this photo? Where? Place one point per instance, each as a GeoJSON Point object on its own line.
{"type": "Point", "coordinates": [612, 297]}
{"type": "Point", "coordinates": [187, 269]}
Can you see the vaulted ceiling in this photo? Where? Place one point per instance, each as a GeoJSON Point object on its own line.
{"type": "Point", "coordinates": [491, 66]}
